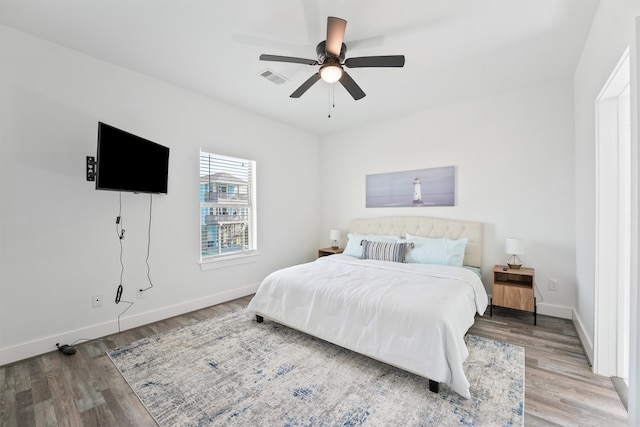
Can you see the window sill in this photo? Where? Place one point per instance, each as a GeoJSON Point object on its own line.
{"type": "Point", "coordinates": [229, 261]}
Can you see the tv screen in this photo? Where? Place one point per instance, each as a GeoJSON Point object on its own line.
{"type": "Point", "coordinates": [127, 162]}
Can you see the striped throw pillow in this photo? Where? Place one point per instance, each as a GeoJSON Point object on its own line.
{"type": "Point", "coordinates": [385, 251]}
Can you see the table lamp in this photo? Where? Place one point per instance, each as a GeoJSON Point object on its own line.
{"type": "Point", "coordinates": [335, 236]}
{"type": "Point", "coordinates": [514, 247]}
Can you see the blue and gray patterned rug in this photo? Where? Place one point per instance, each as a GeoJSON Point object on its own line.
{"type": "Point", "coordinates": [230, 370]}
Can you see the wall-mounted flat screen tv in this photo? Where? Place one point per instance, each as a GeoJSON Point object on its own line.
{"type": "Point", "coordinates": [127, 162]}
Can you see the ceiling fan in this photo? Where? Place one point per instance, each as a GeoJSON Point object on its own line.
{"type": "Point", "coordinates": [331, 58]}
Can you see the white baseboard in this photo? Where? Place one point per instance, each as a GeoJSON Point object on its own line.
{"type": "Point", "coordinates": [185, 307]}
{"type": "Point", "coordinates": [555, 311]}
{"type": "Point", "coordinates": [43, 345]}
{"type": "Point", "coordinates": [569, 313]}
{"type": "Point", "coordinates": [587, 344]}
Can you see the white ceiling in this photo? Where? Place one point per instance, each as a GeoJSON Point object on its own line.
{"type": "Point", "coordinates": [454, 49]}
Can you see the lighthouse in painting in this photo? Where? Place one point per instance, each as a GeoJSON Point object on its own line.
{"type": "Point", "coordinates": [417, 192]}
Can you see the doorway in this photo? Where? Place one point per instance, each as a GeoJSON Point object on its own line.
{"type": "Point", "coordinates": [613, 224]}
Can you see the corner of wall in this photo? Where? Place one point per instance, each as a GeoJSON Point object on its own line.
{"type": "Point", "coordinates": [586, 342]}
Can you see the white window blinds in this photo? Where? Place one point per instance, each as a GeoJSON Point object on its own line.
{"type": "Point", "coordinates": [227, 206]}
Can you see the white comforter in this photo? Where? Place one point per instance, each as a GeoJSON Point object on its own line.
{"type": "Point", "coordinates": [413, 316]}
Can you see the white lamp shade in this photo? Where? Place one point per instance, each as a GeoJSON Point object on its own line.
{"type": "Point", "coordinates": [331, 73]}
{"type": "Point", "coordinates": [335, 235]}
{"type": "Point", "coordinates": [514, 246]}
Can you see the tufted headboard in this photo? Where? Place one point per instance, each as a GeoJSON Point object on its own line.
{"type": "Point", "coordinates": [426, 227]}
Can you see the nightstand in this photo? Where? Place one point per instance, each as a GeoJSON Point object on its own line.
{"type": "Point", "coordinates": [514, 289]}
{"type": "Point", "coordinates": [329, 251]}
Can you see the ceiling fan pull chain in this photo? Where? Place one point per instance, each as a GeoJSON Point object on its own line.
{"type": "Point", "coordinates": [333, 95]}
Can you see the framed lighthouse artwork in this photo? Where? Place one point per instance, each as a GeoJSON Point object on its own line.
{"type": "Point", "coordinates": [414, 188]}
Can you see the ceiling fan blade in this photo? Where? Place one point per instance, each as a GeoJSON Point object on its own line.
{"type": "Point", "coordinates": [278, 58]}
{"type": "Point", "coordinates": [351, 86]}
{"type": "Point", "coordinates": [367, 42]}
{"type": "Point", "coordinates": [305, 86]}
{"type": "Point", "coordinates": [335, 35]}
{"type": "Point", "coordinates": [375, 61]}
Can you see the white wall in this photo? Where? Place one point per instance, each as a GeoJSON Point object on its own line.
{"type": "Point", "coordinates": [58, 245]}
{"type": "Point", "coordinates": [615, 28]}
{"type": "Point", "coordinates": [634, 327]}
{"type": "Point", "coordinates": [514, 162]}
{"type": "Point", "coordinates": [611, 33]}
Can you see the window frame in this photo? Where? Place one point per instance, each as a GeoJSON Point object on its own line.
{"type": "Point", "coordinates": [233, 204]}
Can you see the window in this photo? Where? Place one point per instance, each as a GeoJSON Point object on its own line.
{"type": "Point", "coordinates": [227, 207]}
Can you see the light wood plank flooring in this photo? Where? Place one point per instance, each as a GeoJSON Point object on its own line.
{"type": "Point", "coordinates": [560, 388]}
{"type": "Point", "coordinates": [86, 389]}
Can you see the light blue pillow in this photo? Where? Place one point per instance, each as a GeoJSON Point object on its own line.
{"type": "Point", "coordinates": [437, 251]}
{"type": "Point", "coordinates": [354, 247]}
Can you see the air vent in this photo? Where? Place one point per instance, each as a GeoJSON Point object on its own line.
{"type": "Point", "coordinates": [273, 76]}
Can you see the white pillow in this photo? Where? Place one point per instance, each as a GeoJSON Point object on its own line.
{"type": "Point", "coordinates": [354, 247]}
{"type": "Point", "coordinates": [441, 251]}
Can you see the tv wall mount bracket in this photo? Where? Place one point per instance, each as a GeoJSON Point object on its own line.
{"type": "Point", "coordinates": [91, 168]}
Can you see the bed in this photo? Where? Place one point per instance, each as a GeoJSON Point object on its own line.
{"type": "Point", "coordinates": [405, 292]}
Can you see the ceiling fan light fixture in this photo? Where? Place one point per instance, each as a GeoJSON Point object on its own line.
{"type": "Point", "coordinates": [331, 73]}
{"type": "Point", "coordinates": [332, 58]}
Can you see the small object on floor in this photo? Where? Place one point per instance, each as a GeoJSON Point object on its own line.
{"type": "Point", "coordinates": [66, 349]}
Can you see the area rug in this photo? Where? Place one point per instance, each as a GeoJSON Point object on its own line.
{"type": "Point", "coordinates": [231, 370]}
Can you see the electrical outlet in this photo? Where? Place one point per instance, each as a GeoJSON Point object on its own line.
{"type": "Point", "coordinates": [139, 293]}
{"type": "Point", "coordinates": [553, 284]}
{"type": "Point", "coordinates": [96, 301]}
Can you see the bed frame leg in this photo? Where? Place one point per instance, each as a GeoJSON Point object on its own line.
{"type": "Point", "coordinates": [259, 319]}
{"type": "Point", "coordinates": [434, 386]}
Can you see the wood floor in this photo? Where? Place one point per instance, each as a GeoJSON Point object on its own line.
{"type": "Point", "coordinates": [560, 388]}
{"type": "Point", "coordinates": [85, 389]}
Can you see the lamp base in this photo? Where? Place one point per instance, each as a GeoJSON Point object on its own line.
{"type": "Point", "coordinates": [514, 262]}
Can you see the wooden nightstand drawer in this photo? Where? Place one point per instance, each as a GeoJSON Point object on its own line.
{"type": "Point", "coordinates": [513, 296]}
